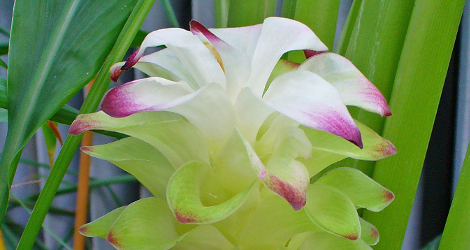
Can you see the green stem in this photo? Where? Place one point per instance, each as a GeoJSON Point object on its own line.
{"type": "Point", "coordinates": [414, 101]}
{"type": "Point", "coordinates": [91, 103]}
{"type": "Point", "coordinates": [171, 13]}
{"type": "Point", "coordinates": [457, 228]}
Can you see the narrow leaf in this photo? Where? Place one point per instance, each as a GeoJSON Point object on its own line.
{"type": "Point", "coordinates": [415, 98]}
{"type": "Point", "coordinates": [67, 44]}
{"type": "Point", "coordinates": [135, 19]}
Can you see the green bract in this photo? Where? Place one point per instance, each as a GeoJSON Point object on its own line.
{"type": "Point", "coordinates": [228, 156]}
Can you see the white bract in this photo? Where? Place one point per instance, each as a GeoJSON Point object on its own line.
{"type": "Point", "coordinates": [213, 127]}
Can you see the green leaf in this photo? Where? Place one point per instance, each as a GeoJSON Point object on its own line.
{"type": "Point", "coordinates": [320, 16]}
{"type": "Point", "coordinates": [170, 13]}
{"type": "Point", "coordinates": [140, 159]}
{"type": "Point", "coordinates": [248, 12]}
{"type": "Point", "coordinates": [139, 38]}
{"type": "Point", "coordinates": [414, 102]}
{"type": "Point", "coordinates": [288, 8]}
{"type": "Point", "coordinates": [375, 48]}
{"type": "Point", "coordinates": [50, 61]}
{"type": "Point", "coordinates": [3, 48]}
{"type": "Point", "coordinates": [221, 8]}
{"type": "Point", "coordinates": [184, 196]}
{"type": "Point", "coordinates": [332, 211]}
{"type": "Point", "coordinates": [363, 191]}
{"type": "Point", "coordinates": [135, 20]}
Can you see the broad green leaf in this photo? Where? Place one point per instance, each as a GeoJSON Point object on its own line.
{"type": "Point", "coordinates": [44, 201]}
{"type": "Point", "coordinates": [320, 16]}
{"type": "Point", "coordinates": [177, 139]}
{"type": "Point", "coordinates": [184, 196]}
{"type": "Point", "coordinates": [369, 234]}
{"type": "Point", "coordinates": [358, 187]}
{"type": "Point", "coordinates": [332, 211]}
{"type": "Point", "coordinates": [414, 101]}
{"type": "Point", "coordinates": [138, 158]}
{"type": "Point", "coordinates": [52, 60]}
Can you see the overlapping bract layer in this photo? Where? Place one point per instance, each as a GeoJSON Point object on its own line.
{"type": "Point", "coordinates": [226, 150]}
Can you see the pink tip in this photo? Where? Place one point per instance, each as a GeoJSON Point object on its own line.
{"type": "Point", "coordinates": [86, 149]}
{"type": "Point", "coordinates": [309, 53]}
{"type": "Point", "coordinates": [117, 72]}
{"type": "Point", "coordinates": [112, 240]}
{"type": "Point", "coordinates": [82, 230]}
{"type": "Point", "coordinates": [389, 196]}
{"type": "Point", "coordinates": [387, 112]}
{"type": "Point", "coordinates": [131, 60]}
{"type": "Point", "coordinates": [197, 28]}
{"type": "Point", "coordinates": [353, 236]}
{"type": "Point", "coordinates": [185, 218]}
{"type": "Point", "coordinates": [76, 128]}
{"type": "Point", "coordinates": [291, 194]}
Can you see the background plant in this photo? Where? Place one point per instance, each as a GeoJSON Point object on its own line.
{"type": "Point", "coordinates": [407, 61]}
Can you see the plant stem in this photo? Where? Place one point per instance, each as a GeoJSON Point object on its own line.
{"type": "Point", "coordinates": [91, 103]}
{"type": "Point", "coordinates": [83, 188]}
{"type": "Point", "coordinates": [171, 13]}
{"type": "Point", "coordinates": [414, 101]}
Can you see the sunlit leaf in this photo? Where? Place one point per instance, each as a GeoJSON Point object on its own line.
{"type": "Point", "coordinates": [52, 60]}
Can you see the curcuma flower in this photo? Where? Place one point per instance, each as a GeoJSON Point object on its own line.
{"type": "Point", "coordinates": [226, 136]}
